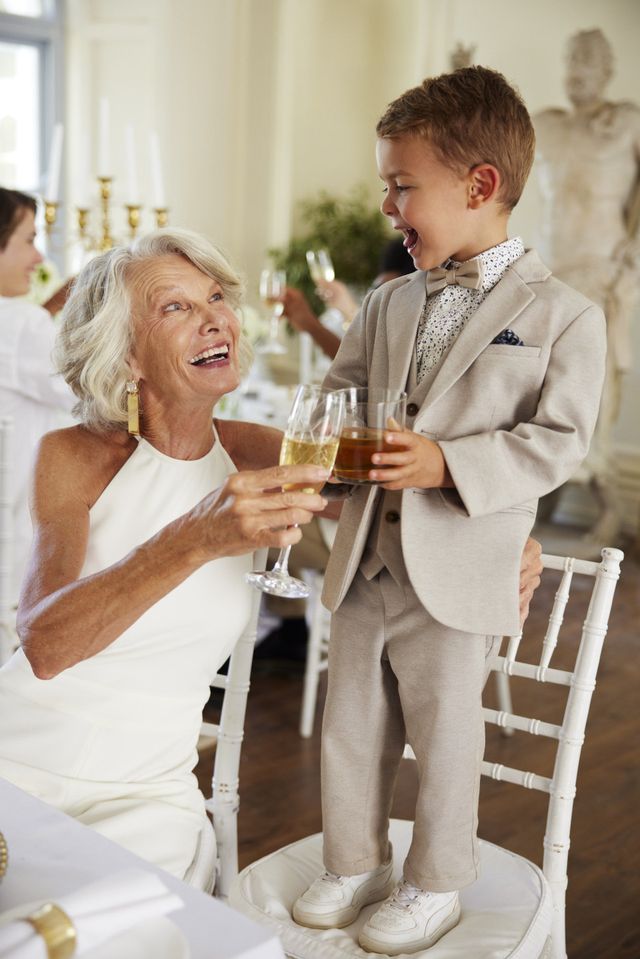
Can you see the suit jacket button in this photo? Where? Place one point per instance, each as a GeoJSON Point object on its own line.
{"type": "Point", "coordinates": [412, 409]}
{"type": "Point", "coordinates": [392, 516]}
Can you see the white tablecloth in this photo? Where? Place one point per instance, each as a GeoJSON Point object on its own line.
{"type": "Point", "coordinates": [51, 854]}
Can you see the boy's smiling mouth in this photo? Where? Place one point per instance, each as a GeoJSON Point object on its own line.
{"type": "Point", "coordinates": [410, 239]}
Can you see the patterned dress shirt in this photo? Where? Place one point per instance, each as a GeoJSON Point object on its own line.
{"type": "Point", "coordinates": [445, 313]}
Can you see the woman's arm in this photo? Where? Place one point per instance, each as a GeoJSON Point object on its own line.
{"type": "Point", "coordinates": [302, 317]}
{"type": "Point", "coordinates": [62, 619]}
{"type": "Point", "coordinates": [251, 446]}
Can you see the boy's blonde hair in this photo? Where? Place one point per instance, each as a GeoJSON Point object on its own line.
{"type": "Point", "coordinates": [96, 330]}
{"type": "Point", "coordinates": [470, 116]}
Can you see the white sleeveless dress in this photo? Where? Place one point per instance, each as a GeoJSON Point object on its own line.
{"type": "Point", "coordinates": [112, 740]}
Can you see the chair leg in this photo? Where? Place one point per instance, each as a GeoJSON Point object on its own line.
{"type": "Point", "coordinates": [225, 822]}
{"type": "Point", "coordinates": [503, 689]}
{"type": "Point", "coordinates": [312, 669]}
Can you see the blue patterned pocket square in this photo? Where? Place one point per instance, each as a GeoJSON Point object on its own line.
{"type": "Point", "coordinates": [508, 338]}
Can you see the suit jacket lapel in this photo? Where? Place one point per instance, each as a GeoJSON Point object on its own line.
{"type": "Point", "coordinates": [503, 304]}
{"type": "Point", "coordinates": [403, 315]}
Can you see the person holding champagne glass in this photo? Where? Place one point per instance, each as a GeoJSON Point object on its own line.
{"type": "Point", "coordinates": [145, 518]}
{"type": "Point", "coordinates": [394, 261]}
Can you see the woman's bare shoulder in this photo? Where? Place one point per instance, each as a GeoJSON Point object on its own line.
{"type": "Point", "coordinates": [81, 461]}
{"type": "Point", "coordinates": [251, 446]}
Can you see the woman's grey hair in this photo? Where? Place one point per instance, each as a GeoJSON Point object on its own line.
{"type": "Point", "coordinates": [96, 332]}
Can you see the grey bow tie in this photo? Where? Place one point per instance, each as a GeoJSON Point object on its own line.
{"type": "Point", "coordinates": [469, 274]}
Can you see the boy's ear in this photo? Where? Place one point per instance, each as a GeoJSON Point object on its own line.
{"type": "Point", "coordinates": [483, 185]}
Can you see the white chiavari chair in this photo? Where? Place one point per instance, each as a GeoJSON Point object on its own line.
{"type": "Point", "coordinates": [7, 617]}
{"type": "Point", "coordinates": [317, 659]}
{"type": "Point", "coordinates": [216, 862]}
{"type": "Point", "coordinates": [515, 910]}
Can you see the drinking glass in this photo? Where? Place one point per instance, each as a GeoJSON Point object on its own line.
{"type": "Point", "coordinates": [272, 285]}
{"type": "Point", "coordinates": [311, 438]}
{"type": "Point", "coordinates": [321, 269]}
{"type": "Point", "coordinates": [368, 415]}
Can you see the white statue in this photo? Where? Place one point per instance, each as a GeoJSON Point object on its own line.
{"type": "Point", "coordinates": [461, 56]}
{"type": "Point", "coordinates": [588, 164]}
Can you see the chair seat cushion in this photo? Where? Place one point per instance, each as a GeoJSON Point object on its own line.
{"type": "Point", "coordinates": [505, 913]}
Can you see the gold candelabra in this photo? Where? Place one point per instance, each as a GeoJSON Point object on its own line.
{"type": "Point", "coordinates": [50, 214]}
{"type": "Point", "coordinates": [162, 216]}
{"type": "Point", "coordinates": [104, 240]}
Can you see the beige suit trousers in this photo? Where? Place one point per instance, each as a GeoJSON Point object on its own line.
{"type": "Point", "coordinates": [395, 676]}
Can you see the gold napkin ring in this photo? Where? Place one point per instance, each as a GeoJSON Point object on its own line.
{"type": "Point", "coordinates": [56, 928]}
{"type": "Point", "coordinates": [4, 855]}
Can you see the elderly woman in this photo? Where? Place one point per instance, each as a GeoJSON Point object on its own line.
{"type": "Point", "coordinates": [135, 592]}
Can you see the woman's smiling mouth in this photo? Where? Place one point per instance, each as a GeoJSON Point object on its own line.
{"type": "Point", "coordinates": [212, 356]}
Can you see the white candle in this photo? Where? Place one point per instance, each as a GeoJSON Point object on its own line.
{"type": "Point", "coordinates": [83, 183]}
{"type": "Point", "coordinates": [55, 164]}
{"type": "Point", "coordinates": [157, 181]}
{"type": "Point", "coordinates": [133, 193]}
{"type": "Point", "coordinates": [104, 161]}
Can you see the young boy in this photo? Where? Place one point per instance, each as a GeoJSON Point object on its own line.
{"type": "Point", "coordinates": [503, 366]}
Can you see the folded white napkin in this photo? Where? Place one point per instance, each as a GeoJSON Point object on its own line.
{"type": "Point", "coordinates": [99, 911]}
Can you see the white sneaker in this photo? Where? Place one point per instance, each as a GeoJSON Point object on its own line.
{"type": "Point", "coordinates": [410, 920]}
{"type": "Point", "coordinates": [335, 901]}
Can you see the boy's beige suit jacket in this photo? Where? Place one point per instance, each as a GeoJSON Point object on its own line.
{"type": "Point", "coordinates": [513, 422]}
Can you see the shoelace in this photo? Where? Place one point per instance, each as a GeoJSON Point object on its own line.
{"type": "Point", "coordinates": [331, 877]}
{"type": "Point", "coordinates": [404, 895]}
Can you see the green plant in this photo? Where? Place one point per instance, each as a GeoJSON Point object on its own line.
{"type": "Point", "coordinates": [352, 230]}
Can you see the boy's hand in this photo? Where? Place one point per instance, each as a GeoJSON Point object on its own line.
{"type": "Point", "coordinates": [418, 463]}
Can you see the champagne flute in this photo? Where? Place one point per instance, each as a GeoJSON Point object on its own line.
{"type": "Point", "coordinates": [272, 285]}
{"type": "Point", "coordinates": [321, 269]}
{"type": "Point", "coordinates": [311, 438]}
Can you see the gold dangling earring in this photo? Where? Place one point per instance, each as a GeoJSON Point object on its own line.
{"type": "Point", "coordinates": [133, 408]}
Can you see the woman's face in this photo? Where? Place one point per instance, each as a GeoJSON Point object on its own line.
{"type": "Point", "coordinates": [185, 347]}
{"type": "Point", "coordinates": [19, 258]}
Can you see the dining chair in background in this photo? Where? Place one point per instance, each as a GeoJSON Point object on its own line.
{"type": "Point", "coordinates": [515, 909]}
{"type": "Point", "coordinates": [7, 615]}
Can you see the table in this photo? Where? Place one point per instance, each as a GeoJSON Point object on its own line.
{"type": "Point", "coordinates": [51, 854]}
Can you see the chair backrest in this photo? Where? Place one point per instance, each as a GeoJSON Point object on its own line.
{"type": "Point", "coordinates": [569, 736]}
{"type": "Point", "coordinates": [581, 681]}
{"type": "Point", "coordinates": [6, 540]}
{"type": "Point", "coordinates": [229, 733]}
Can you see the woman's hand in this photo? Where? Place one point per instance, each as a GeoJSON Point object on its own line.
{"type": "Point", "coordinates": [250, 511]}
{"type": "Point", "coordinates": [530, 571]}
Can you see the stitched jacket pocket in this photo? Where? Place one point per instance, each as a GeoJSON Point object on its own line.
{"type": "Point", "coordinates": [517, 352]}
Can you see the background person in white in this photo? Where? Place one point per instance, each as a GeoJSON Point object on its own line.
{"type": "Point", "coordinates": [36, 399]}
